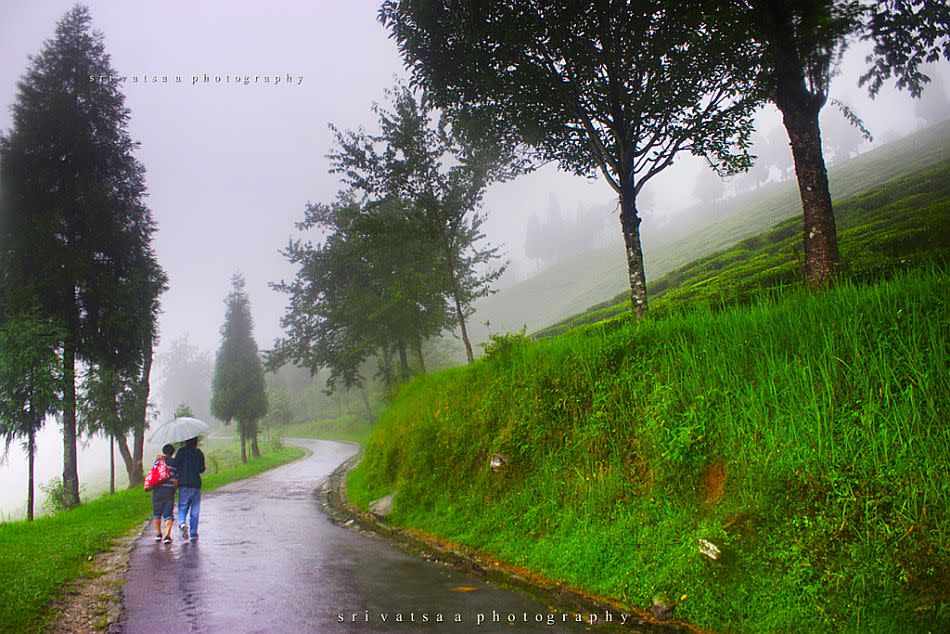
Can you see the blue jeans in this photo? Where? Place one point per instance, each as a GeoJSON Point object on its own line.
{"type": "Point", "coordinates": [189, 504]}
{"type": "Point", "coordinates": [163, 503]}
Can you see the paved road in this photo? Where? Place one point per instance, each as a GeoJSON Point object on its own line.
{"type": "Point", "coordinates": [269, 560]}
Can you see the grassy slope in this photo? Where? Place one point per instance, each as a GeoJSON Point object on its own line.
{"type": "Point", "coordinates": [38, 558]}
{"type": "Point", "coordinates": [805, 434]}
{"type": "Point", "coordinates": [572, 286]}
{"type": "Point", "coordinates": [349, 428]}
{"type": "Point", "coordinates": [901, 224]}
{"type": "Point", "coordinates": [818, 420]}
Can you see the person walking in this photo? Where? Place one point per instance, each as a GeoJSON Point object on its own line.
{"type": "Point", "coordinates": [190, 463]}
{"type": "Point", "coordinates": [163, 497]}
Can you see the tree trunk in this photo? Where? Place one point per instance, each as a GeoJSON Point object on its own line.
{"type": "Point", "coordinates": [126, 455]}
{"type": "Point", "coordinates": [136, 475]}
{"type": "Point", "coordinates": [461, 317]}
{"type": "Point", "coordinates": [403, 362]}
{"type": "Point", "coordinates": [422, 361]}
{"type": "Point", "coordinates": [457, 297]}
{"type": "Point", "coordinates": [31, 456]}
{"type": "Point", "coordinates": [800, 107]}
{"type": "Point", "coordinates": [819, 233]}
{"type": "Point", "coordinates": [111, 464]}
{"type": "Point", "coordinates": [70, 466]}
{"type": "Point", "coordinates": [255, 449]}
{"type": "Point", "coordinates": [243, 447]}
{"type": "Point", "coordinates": [124, 452]}
{"type": "Point", "coordinates": [386, 368]}
{"type": "Point", "coordinates": [369, 410]}
{"type": "Point", "coordinates": [630, 224]}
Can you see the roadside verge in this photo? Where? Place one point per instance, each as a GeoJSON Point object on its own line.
{"type": "Point", "coordinates": [343, 512]}
{"type": "Point", "coordinates": [64, 572]}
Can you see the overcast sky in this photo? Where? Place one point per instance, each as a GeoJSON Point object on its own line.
{"type": "Point", "coordinates": [230, 166]}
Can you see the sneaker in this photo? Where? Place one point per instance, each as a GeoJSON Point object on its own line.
{"type": "Point", "coordinates": [158, 537]}
{"type": "Point", "coordinates": [167, 540]}
{"type": "Point", "coordinates": [184, 531]}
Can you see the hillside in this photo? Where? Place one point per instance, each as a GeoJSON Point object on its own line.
{"type": "Point", "coordinates": [903, 223]}
{"type": "Point", "coordinates": [802, 436]}
{"type": "Point", "coordinates": [798, 437]}
{"type": "Point", "coordinates": [580, 282]}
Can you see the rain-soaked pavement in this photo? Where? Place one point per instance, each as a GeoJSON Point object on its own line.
{"type": "Point", "coordinates": [270, 560]}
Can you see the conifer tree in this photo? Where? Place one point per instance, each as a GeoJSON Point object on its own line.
{"type": "Point", "coordinates": [30, 381]}
{"type": "Point", "coordinates": [238, 390]}
{"type": "Point", "coordinates": [75, 232]}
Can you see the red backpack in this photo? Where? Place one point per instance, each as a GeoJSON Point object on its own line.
{"type": "Point", "coordinates": [157, 474]}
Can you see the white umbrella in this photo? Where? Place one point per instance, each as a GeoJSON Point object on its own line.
{"type": "Point", "coordinates": [177, 430]}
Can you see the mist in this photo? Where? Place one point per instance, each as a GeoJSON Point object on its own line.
{"type": "Point", "coordinates": [231, 160]}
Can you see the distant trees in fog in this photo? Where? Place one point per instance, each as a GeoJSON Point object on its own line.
{"type": "Point", "coordinates": [553, 236]}
{"type": "Point", "coordinates": [186, 375]}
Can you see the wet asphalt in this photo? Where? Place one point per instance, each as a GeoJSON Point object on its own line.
{"type": "Point", "coordinates": [270, 560]}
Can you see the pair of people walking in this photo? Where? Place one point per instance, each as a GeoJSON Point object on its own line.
{"type": "Point", "coordinates": [185, 469]}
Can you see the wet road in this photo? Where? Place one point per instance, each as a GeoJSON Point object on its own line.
{"type": "Point", "coordinates": [269, 560]}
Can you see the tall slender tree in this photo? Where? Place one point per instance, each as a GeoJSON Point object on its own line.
{"type": "Point", "coordinates": [76, 227]}
{"type": "Point", "coordinates": [419, 159]}
{"type": "Point", "coordinates": [116, 384]}
{"type": "Point", "coordinates": [619, 87]}
{"type": "Point", "coordinates": [30, 381]}
{"type": "Point", "coordinates": [238, 390]}
{"type": "Point", "coordinates": [373, 287]}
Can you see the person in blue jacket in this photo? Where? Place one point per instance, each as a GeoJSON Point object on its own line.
{"type": "Point", "coordinates": [190, 463]}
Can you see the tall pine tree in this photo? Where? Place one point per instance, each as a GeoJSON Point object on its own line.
{"type": "Point", "coordinates": [75, 232]}
{"type": "Point", "coordinates": [238, 391]}
{"type": "Point", "coordinates": [30, 381]}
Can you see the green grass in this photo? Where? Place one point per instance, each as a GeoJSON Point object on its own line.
{"type": "Point", "coordinates": [904, 223]}
{"type": "Point", "coordinates": [825, 413]}
{"type": "Point", "coordinates": [348, 428]}
{"type": "Point", "coordinates": [570, 287]}
{"type": "Point", "coordinates": [38, 558]}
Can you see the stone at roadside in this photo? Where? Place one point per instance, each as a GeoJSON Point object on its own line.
{"type": "Point", "coordinates": [715, 551]}
{"type": "Point", "coordinates": [383, 506]}
{"type": "Point", "coordinates": [498, 462]}
{"type": "Point", "coordinates": [662, 607]}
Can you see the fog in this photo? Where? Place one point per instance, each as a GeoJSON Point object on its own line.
{"type": "Point", "coordinates": [232, 159]}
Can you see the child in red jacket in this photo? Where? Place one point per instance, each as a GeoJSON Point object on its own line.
{"type": "Point", "coordinates": [163, 497]}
